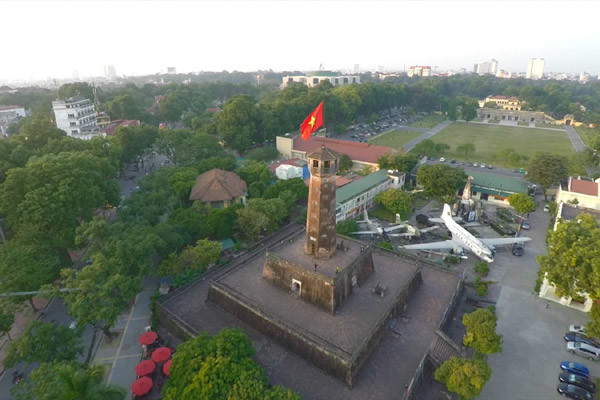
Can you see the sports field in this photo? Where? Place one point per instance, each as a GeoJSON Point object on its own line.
{"type": "Point", "coordinates": [490, 139]}
{"type": "Point", "coordinates": [394, 139]}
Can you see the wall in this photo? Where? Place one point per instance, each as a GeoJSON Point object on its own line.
{"type": "Point", "coordinates": [284, 145]}
{"type": "Point", "coordinates": [583, 200]}
{"type": "Point", "coordinates": [524, 116]}
{"type": "Point", "coordinates": [316, 287]}
{"type": "Point", "coordinates": [342, 283]}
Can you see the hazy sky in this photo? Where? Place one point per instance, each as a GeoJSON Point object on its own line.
{"type": "Point", "coordinates": [51, 38]}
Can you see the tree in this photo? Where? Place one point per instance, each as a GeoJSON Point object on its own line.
{"type": "Point", "coordinates": [440, 148]}
{"type": "Point", "coordinates": [295, 185]}
{"type": "Point", "coordinates": [481, 331]}
{"type": "Point", "coordinates": [43, 342]}
{"type": "Point", "coordinates": [441, 181]}
{"type": "Point", "coordinates": [546, 170]}
{"type": "Point", "coordinates": [239, 123]}
{"type": "Point", "coordinates": [395, 200]}
{"type": "Point", "coordinates": [400, 162]}
{"type": "Point", "coordinates": [521, 202]}
{"type": "Point", "coordinates": [469, 112]}
{"type": "Point", "coordinates": [347, 226]}
{"type": "Point", "coordinates": [254, 171]}
{"type": "Point", "coordinates": [82, 89]}
{"type": "Point", "coordinates": [66, 381]}
{"type": "Point", "coordinates": [463, 376]}
{"type": "Point", "coordinates": [219, 367]}
{"type": "Point", "coordinates": [123, 106]}
{"type": "Point", "coordinates": [572, 262]}
{"type": "Point", "coordinates": [183, 147]}
{"type": "Point", "coordinates": [467, 148]}
{"type": "Point", "coordinates": [425, 148]}
{"type": "Point", "coordinates": [345, 163]}
{"type": "Point", "coordinates": [136, 141]}
{"type": "Point", "coordinates": [200, 256]}
{"type": "Point", "coordinates": [7, 318]}
{"type": "Point", "coordinates": [592, 328]}
{"type": "Point", "coordinates": [452, 115]}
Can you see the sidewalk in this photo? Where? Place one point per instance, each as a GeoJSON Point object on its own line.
{"type": "Point", "coordinates": [409, 146]}
{"type": "Point", "coordinates": [121, 354]}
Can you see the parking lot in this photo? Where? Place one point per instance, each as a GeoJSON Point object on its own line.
{"type": "Point", "coordinates": [532, 328]}
{"type": "Point", "coordinates": [361, 132]}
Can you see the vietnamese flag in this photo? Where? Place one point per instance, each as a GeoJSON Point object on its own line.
{"type": "Point", "coordinates": [312, 122]}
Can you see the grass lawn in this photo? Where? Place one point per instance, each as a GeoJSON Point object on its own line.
{"type": "Point", "coordinates": [394, 139]}
{"type": "Point", "coordinates": [429, 121]}
{"type": "Point", "coordinates": [489, 139]}
{"type": "Point", "coordinates": [382, 213]}
{"type": "Point", "coordinates": [587, 134]}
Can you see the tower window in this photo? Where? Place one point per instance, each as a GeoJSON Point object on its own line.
{"type": "Point", "coordinates": [316, 163]}
{"type": "Point", "coordinates": [327, 164]}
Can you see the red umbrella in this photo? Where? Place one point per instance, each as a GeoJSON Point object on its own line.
{"type": "Point", "coordinates": [161, 354]}
{"type": "Point", "coordinates": [144, 367]}
{"type": "Point", "coordinates": [147, 338]}
{"type": "Point", "coordinates": [166, 367]}
{"type": "Point", "coordinates": [141, 386]}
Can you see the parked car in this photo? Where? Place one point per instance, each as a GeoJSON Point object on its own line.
{"type": "Point", "coordinates": [452, 161]}
{"type": "Point", "coordinates": [442, 159]}
{"type": "Point", "coordinates": [482, 166]}
{"type": "Point", "coordinates": [489, 167]}
{"type": "Point", "coordinates": [518, 249]}
{"type": "Point", "coordinates": [525, 224]}
{"type": "Point", "coordinates": [546, 208]}
{"type": "Point", "coordinates": [579, 337]}
{"type": "Point", "coordinates": [575, 368]}
{"type": "Point", "coordinates": [574, 392]}
{"type": "Point", "coordinates": [475, 164]}
{"type": "Point", "coordinates": [577, 381]}
{"type": "Point", "coordinates": [577, 328]}
{"type": "Point", "coordinates": [584, 350]}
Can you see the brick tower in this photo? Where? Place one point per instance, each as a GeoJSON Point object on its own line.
{"type": "Point", "coordinates": [320, 216]}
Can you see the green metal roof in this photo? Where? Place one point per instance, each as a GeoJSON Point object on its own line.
{"type": "Point", "coordinates": [226, 244]}
{"type": "Point", "coordinates": [496, 184]}
{"type": "Point", "coordinates": [323, 73]}
{"type": "Point", "coordinates": [362, 185]}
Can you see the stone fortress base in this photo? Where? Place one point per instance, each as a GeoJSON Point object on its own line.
{"type": "Point", "coordinates": [334, 315]}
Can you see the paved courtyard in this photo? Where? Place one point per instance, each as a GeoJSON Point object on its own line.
{"type": "Point", "coordinates": [533, 345]}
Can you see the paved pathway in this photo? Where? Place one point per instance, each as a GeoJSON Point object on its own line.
{"type": "Point", "coordinates": [410, 145]}
{"type": "Point", "coordinates": [121, 357]}
{"type": "Point", "coordinates": [576, 141]}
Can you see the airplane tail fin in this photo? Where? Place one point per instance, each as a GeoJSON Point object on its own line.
{"type": "Point", "coordinates": [447, 210]}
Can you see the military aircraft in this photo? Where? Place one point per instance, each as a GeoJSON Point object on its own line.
{"type": "Point", "coordinates": [375, 228]}
{"type": "Point", "coordinates": [461, 239]}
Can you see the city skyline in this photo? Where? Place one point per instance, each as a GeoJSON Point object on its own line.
{"type": "Point", "coordinates": [141, 38]}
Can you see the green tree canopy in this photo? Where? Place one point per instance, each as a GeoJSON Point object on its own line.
{"type": "Point", "coordinates": [136, 140]}
{"type": "Point", "coordinates": [481, 331]}
{"type": "Point", "coordinates": [547, 169]}
{"type": "Point", "coordinates": [219, 367]}
{"type": "Point", "coordinates": [345, 163]}
{"type": "Point", "coordinates": [425, 148]}
{"type": "Point", "coordinates": [395, 200]}
{"type": "Point", "coordinates": [347, 226]}
{"type": "Point", "coordinates": [521, 202]}
{"type": "Point", "coordinates": [66, 381]}
{"type": "Point", "coordinates": [240, 123]}
{"type": "Point", "coordinates": [43, 342]}
{"type": "Point", "coordinates": [467, 148]}
{"type": "Point", "coordinates": [441, 181]}
{"type": "Point", "coordinates": [463, 376]}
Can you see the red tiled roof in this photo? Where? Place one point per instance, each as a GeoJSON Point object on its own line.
{"type": "Point", "coordinates": [584, 187]}
{"type": "Point", "coordinates": [212, 110]}
{"type": "Point", "coordinates": [356, 151]}
{"type": "Point", "coordinates": [112, 127]}
{"type": "Point", "coordinates": [217, 185]}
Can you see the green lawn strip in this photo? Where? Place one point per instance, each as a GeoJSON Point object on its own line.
{"type": "Point", "coordinates": [429, 121]}
{"type": "Point", "coordinates": [587, 134]}
{"type": "Point", "coordinates": [382, 213]}
{"type": "Point", "coordinates": [394, 139]}
{"type": "Point", "coordinates": [489, 139]}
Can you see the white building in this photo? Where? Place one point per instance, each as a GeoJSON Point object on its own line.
{"type": "Point", "coordinates": [419, 70]}
{"type": "Point", "coordinates": [286, 172]}
{"type": "Point", "coordinates": [77, 117]}
{"type": "Point", "coordinates": [353, 199]}
{"type": "Point", "coordinates": [535, 68]}
{"type": "Point", "coordinates": [8, 115]}
{"type": "Point", "coordinates": [487, 67]}
{"type": "Point", "coordinates": [109, 72]}
{"type": "Point", "coordinates": [314, 78]}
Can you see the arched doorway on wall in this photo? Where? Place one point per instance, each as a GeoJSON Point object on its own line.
{"type": "Point", "coordinates": [568, 122]}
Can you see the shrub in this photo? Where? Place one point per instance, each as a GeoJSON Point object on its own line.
{"type": "Point", "coordinates": [385, 245]}
{"type": "Point", "coordinates": [481, 287]}
{"type": "Point", "coordinates": [482, 268]}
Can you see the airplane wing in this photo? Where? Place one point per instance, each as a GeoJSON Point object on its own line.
{"type": "Point", "coordinates": [393, 228]}
{"type": "Point", "coordinates": [447, 244]}
{"type": "Point", "coordinates": [436, 220]}
{"type": "Point", "coordinates": [501, 241]}
{"type": "Point", "coordinates": [364, 233]}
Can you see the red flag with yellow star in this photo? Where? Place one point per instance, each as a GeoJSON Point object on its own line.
{"type": "Point", "coordinates": [312, 122]}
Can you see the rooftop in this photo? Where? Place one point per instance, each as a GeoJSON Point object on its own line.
{"type": "Point", "coordinates": [364, 152]}
{"type": "Point", "coordinates": [4, 108]}
{"type": "Point", "coordinates": [217, 185]}
{"type": "Point", "coordinates": [112, 127]}
{"type": "Point", "coordinates": [503, 185]}
{"type": "Point", "coordinates": [583, 187]}
{"type": "Point", "coordinates": [354, 188]}
{"type": "Point", "coordinates": [323, 153]}
{"type": "Point", "coordinates": [295, 162]}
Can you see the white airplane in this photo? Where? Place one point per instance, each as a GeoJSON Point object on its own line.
{"type": "Point", "coordinates": [461, 239]}
{"type": "Point", "coordinates": [375, 228]}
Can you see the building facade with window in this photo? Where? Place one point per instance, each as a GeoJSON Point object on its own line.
{"type": "Point", "coordinates": [77, 117]}
{"type": "Point", "coordinates": [9, 115]}
{"type": "Point", "coordinates": [353, 199]}
{"type": "Point", "coordinates": [503, 102]}
{"type": "Point", "coordinates": [312, 79]}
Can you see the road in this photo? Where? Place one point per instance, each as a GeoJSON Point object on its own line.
{"type": "Point", "coordinates": [409, 146]}
{"type": "Point", "coordinates": [56, 310]}
{"type": "Point", "coordinates": [497, 171]}
{"type": "Point", "coordinates": [576, 141]}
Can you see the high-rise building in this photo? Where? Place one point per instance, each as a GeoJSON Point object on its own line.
{"type": "Point", "coordinates": [419, 70]}
{"type": "Point", "coordinates": [77, 117]}
{"type": "Point", "coordinates": [535, 68]}
{"type": "Point", "coordinates": [109, 72]}
{"type": "Point", "coordinates": [171, 70]}
{"type": "Point", "coordinates": [356, 68]}
{"type": "Point", "coordinates": [487, 67]}
{"type": "Point", "coordinates": [493, 66]}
